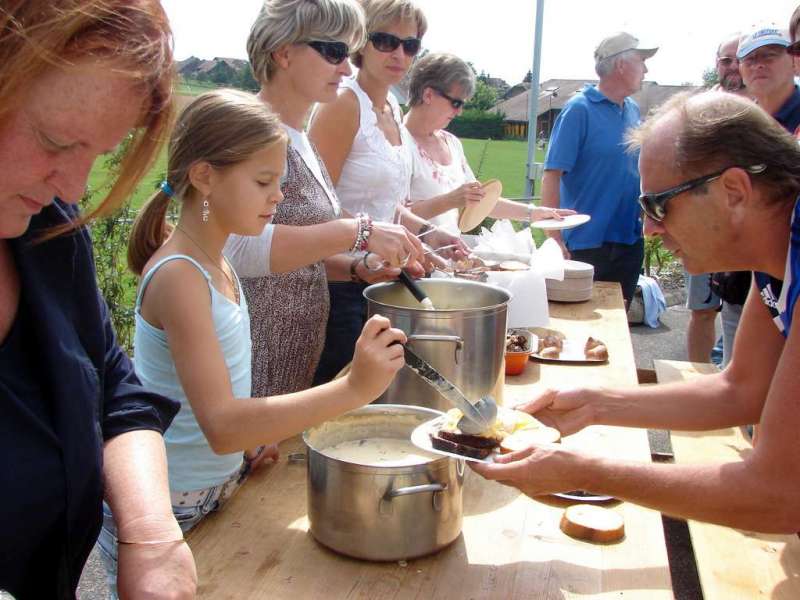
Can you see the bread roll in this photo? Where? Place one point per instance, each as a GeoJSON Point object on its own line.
{"type": "Point", "coordinates": [597, 353]}
{"type": "Point", "coordinates": [549, 352]}
{"type": "Point", "coordinates": [593, 523]}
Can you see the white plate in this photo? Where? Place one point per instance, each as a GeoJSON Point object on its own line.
{"type": "Point", "coordinates": [580, 498]}
{"type": "Point", "coordinates": [421, 438]}
{"type": "Point", "coordinates": [572, 351]}
{"type": "Point", "coordinates": [567, 222]}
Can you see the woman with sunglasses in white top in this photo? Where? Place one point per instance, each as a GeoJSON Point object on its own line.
{"type": "Point", "coordinates": [299, 50]}
{"type": "Point", "coordinates": [361, 139]}
{"type": "Point", "coordinates": [441, 181]}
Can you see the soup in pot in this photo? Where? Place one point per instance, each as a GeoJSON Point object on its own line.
{"type": "Point", "coordinates": [379, 452]}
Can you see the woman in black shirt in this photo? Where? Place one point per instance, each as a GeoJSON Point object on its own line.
{"type": "Point", "coordinates": [76, 78]}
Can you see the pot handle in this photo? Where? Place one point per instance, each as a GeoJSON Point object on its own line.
{"type": "Point", "coordinates": [426, 337]}
{"type": "Point", "coordinates": [415, 489]}
{"type": "Point", "coordinates": [385, 507]}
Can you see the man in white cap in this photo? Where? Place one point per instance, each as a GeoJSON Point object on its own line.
{"type": "Point", "coordinates": [768, 72]}
{"type": "Point", "coordinates": [588, 170]}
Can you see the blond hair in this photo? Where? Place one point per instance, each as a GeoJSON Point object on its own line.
{"type": "Point", "coordinates": [283, 22]}
{"type": "Point", "coordinates": [380, 13]}
{"type": "Point", "coordinates": [223, 128]}
{"type": "Point", "coordinates": [131, 36]}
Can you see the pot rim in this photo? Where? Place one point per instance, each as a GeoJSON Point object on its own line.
{"type": "Point", "coordinates": [422, 309]}
{"type": "Point", "coordinates": [437, 463]}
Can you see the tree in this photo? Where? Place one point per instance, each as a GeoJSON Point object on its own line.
{"type": "Point", "coordinates": [484, 98]}
{"type": "Point", "coordinates": [710, 77]}
{"type": "Point", "coordinates": [246, 80]}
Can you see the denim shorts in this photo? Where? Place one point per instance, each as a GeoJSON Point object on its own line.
{"type": "Point", "coordinates": [189, 509]}
{"type": "Point", "coordinates": [699, 295]}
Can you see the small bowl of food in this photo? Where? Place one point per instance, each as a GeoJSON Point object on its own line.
{"type": "Point", "coordinates": [519, 345]}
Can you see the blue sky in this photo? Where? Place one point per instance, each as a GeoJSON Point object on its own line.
{"type": "Point", "coordinates": [497, 35]}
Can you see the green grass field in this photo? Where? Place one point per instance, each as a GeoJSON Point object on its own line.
{"type": "Point", "coordinates": [501, 159]}
{"type": "Point", "coordinates": [489, 159]}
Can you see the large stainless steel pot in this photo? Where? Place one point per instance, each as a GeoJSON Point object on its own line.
{"type": "Point", "coordinates": [378, 512]}
{"type": "Point", "coordinates": [463, 338]}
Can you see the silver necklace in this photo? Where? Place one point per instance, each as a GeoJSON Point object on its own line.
{"type": "Point", "coordinates": [234, 287]}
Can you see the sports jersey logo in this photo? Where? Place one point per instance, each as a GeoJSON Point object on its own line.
{"type": "Point", "coordinates": [769, 298]}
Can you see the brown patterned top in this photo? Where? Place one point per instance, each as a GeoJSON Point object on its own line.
{"type": "Point", "coordinates": [289, 311]}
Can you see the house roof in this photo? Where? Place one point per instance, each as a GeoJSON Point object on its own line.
{"type": "Point", "coordinates": [516, 108]}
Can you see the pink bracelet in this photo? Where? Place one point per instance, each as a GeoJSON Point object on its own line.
{"type": "Point", "coordinates": [362, 235]}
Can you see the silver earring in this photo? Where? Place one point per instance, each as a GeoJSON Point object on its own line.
{"type": "Point", "coordinates": [206, 210]}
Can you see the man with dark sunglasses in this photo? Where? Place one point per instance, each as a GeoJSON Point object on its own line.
{"type": "Point", "coordinates": [588, 170]}
{"type": "Point", "coordinates": [768, 72]}
{"type": "Point", "coordinates": [721, 183]}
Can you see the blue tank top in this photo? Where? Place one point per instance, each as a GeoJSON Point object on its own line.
{"type": "Point", "coordinates": [193, 465]}
{"type": "Point", "coordinates": [780, 297]}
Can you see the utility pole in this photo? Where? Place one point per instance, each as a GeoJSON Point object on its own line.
{"type": "Point", "coordinates": [532, 169]}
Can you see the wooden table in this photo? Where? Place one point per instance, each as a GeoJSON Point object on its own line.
{"type": "Point", "coordinates": [732, 563]}
{"type": "Point", "coordinates": [510, 547]}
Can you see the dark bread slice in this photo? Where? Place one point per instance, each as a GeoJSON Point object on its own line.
{"type": "Point", "coordinates": [446, 445]}
{"type": "Point", "coordinates": [475, 441]}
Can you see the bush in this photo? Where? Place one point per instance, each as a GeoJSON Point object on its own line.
{"type": "Point", "coordinates": [477, 124]}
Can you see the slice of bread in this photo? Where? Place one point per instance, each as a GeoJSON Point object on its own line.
{"type": "Point", "coordinates": [593, 523]}
{"type": "Point", "coordinates": [446, 445]}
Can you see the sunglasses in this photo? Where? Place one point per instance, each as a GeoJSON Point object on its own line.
{"type": "Point", "coordinates": [727, 61]}
{"type": "Point", "coordinates": [654, 204]}
{"type": "Point", "coordinates": [386, 42]}
{"type": "Point", "coordinates": [333, 52]}
{"type": "Point", "coordinates": [794, 48]}
{"type": "Point", "coordinates": [456, 103]}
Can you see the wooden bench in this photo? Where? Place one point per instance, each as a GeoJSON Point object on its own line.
{"type": "Point", "coordinates": [732, 563]}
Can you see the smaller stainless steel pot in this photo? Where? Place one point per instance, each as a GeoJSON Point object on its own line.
{"type": "Point", "coordinates": [377, 512]}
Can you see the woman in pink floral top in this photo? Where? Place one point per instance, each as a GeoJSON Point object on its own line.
{"type": "Point", "coordinates": [442, 181]}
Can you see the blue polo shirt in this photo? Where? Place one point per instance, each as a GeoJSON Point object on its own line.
{"type": "Point", "coordinates": [788, 115]}
{"type": "Point", "coordinates": [599, 177]}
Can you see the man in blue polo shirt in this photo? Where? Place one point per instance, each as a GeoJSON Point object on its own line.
{"type": "Point", "coordinates": [768, 72]}
{"type": "Point", "coordinates": [588, 170]}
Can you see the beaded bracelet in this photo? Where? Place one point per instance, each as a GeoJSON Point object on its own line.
{"type": "Point", "coordinates": [363, 233]}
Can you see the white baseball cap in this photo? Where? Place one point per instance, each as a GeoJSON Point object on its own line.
{"type": "Point", "coordinates": [763, 36]}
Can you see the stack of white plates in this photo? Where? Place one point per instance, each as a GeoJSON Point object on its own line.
{"type": "Point", "coordinates": [577, 283]}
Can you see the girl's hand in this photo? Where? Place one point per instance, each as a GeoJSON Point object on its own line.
{"type": "Point", "coordinates": [377, 358]}
{"type": "Point", "coordinates": [377, 271]}
{"type": "Point", "coordinates": [471, 191]}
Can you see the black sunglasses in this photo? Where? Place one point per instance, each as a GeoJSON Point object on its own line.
{"type": "Point", "coordinates": [794, 48]}
{"type": "Point", "coordinates": [333, 52]}
{"type": "Point", "coordinates": [386, 42]}
{"type": "Point", "coordinates": [457, 103]}
{"type": "Point", "coordinates": [654, 204]}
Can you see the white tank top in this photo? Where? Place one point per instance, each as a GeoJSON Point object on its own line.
{"type": "Point", "coordinates": [376, 176]}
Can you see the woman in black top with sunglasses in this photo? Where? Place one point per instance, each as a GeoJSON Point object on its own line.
{"type": "Point", "coordinates": [299, 50]}
{"type": "Point", "coordinates": [366, 150]}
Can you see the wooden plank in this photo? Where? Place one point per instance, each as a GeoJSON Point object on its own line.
{"type": "Point", "coordinates": [510, 546]}
{"type": "Point", "coordinates": [732, 563]}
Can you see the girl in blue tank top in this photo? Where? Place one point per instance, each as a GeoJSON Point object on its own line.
{"type": "Point", "coordinates": [192, 342]}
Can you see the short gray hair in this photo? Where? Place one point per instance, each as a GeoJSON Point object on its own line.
{"type": "Point", "coordinates": [440, 71]}
{"type": "Point", "coordinates": [607, 65]}
{"type": "Point", "coordinates": [282, 22]}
